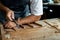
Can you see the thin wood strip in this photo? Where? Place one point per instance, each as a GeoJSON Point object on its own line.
{"type": "Point", "coordinates": [2, 32]}
{"type": "Point", "coordinates": [21, 26]}
{"type": "Point", "coordinates": [37, 24]}
{"type": "Point", "coordinates": [9, 30]}
{"type": "Point", "coordinates": [26, 27]}
{"type": "Point", "coordinates": [30, 25]}
{"type": "Point", "coordinates": [34, 25]}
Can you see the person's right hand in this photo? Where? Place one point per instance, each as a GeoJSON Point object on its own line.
{"type": "Point", "coordinates": [10, 15]}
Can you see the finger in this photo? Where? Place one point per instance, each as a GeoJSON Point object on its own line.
{"type": "Point", "coordinates": [5, 25]}
{"type": "Point", "coordinates": [12, 16]}
{"type": "Point", "coordinates": [9, 26]}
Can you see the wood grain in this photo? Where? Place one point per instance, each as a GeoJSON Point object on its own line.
{"type": "Point", "coordinates": [39, 30]}
{"type": "Point", "coordinates": [53, 23]}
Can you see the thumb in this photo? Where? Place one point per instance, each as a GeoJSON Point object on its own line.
{"type": "Point", "coordinates": [9, 17]}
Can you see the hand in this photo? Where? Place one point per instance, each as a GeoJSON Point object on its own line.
{"type": "Point", "coordinates": [10, 25]}
{"type": "Point", "coordinates": [10, 15]}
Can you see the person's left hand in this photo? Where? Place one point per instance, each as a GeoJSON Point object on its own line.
{"type": "Point", "coordinates": [10, 24]}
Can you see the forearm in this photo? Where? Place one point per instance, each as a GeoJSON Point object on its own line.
{"type": "Point", "coordinates": [4, 8]}
{"type": "Point", "coordinates": [29, 19]}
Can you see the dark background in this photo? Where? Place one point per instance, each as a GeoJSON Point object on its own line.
{"type": "Point", "coordinates": [50, 10]}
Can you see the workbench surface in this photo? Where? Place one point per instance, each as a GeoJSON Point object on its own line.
{"type": "Point", "coordinates": [49, 30]}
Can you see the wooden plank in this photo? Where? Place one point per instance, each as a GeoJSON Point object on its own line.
{"type": "Point", "coordinates": [53, 23]}
{"type": "Point", "coordinates": [42, 23]}
{"type": "Point", "coordinates": [31, 34]}
{"type": "Point", "coordinates": [25, 34]}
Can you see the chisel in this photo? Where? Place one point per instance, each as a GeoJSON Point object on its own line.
{"type": "Point", "coordinates": [18, 26]}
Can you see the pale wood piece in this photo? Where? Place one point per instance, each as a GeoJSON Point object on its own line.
{"type": "Point", "coordinates": [53, 23]}
{"type": "Point", "coordinates": [26, 27]}
{"type": "Point", "coordinates": [34, 25]}
{"type": "Point", "coordinates": [57, 1]}
{"type": "Point", "coordinates": [42, 23]}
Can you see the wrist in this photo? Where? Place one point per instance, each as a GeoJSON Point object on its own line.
{"type": "Point", "coordinates": [7, 10]}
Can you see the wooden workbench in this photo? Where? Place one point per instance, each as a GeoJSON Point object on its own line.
{"type": "Point", "coordinates": [48, 29]}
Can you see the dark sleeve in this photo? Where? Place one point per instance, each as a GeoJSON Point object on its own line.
{"type": "Point", "coordinates": [0, 0]}
{"type": "Point", "coordinates": [29, 6]}
{"type": "Point", "coordinates": [2, 17]}
{"type": "Point", "coordinates": [2, 21]}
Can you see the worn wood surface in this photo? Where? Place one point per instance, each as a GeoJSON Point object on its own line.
{"type": "Point", "coordinates": [55, 23]}
{"type": "Point", "coordinates": [2, 33]}
{"type": "Point", "coordinates": [41, 30]}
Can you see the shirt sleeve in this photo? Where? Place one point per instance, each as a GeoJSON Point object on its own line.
{"type": "Point", "coordinates": [36, 7]}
